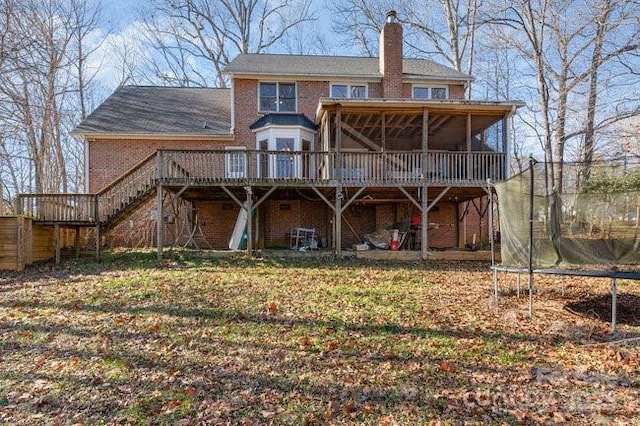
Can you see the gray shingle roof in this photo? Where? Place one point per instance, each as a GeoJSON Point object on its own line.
{"type": "Point", "coordinates": [335, 66]}
{"type": "Point", "coordinates": [281, 119]}
{"type": "Point", "coordinates": [167, 110]}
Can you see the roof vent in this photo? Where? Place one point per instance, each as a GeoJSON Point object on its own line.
{"type": "Point", "coordinates": [391, 16]}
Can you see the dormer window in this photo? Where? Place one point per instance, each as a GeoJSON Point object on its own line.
{"type": "Point", "coordinates": [355, 91]}
{"type": "Point", "coordinates": [430, 92]}
{"type": "Point", "coordinates": [277, 97]}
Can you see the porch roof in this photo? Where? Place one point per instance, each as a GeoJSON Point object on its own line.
{"type": "Point", "coordinates": [370, 121]}
{"type": "Point", "coordinates": [380, 105]}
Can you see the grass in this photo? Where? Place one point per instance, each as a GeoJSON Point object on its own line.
{"type": "Point", "coordinates": [303, 341]}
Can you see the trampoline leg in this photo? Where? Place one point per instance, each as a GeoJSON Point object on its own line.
{"type": "Point", "coordinates": [530, 296]}
{"type": "Point", "coordinates": [614, 304]}
{"type": "Point", "coordinates": [495, 287]}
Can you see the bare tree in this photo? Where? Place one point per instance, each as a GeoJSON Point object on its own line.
{"type": "Point", "coordinates": [563, 46]}
{"type": "Point", "coordinates": [360, 22]}
{"type": "Point", "coordinates": [444, 30]}
{"type": "Point", "coordinates": [608, 17]}
{"type": "Point", "coordinates": [43, 87]}
{"type": "Point", "coordinates": [194, 39]}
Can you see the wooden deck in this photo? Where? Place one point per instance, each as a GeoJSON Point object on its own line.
{"type": "Point", "coordinates": [243, 168]}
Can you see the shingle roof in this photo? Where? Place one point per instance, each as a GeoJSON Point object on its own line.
{"type": "Point", "coordinates": [335, 66]}
{"type": "Point", "coordinates": [281, 119]}
{"type": "Point", "coordinates": [167, 110]}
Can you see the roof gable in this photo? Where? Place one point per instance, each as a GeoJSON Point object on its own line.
{"type": "Point", "coordinates": [151, 110]}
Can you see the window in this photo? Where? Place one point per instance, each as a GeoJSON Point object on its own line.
{"type": "Point", "coordinates": [283, 153]}
{"type": "Point", "coordinates": [235, 163]}
{"type": "Point", "coordinates": [356, 91]}
{"type": "Point", "coordinates": [286, 164]}
{"type": "Point", "coordinates": [424, 92]}
{"type": "Point", "coordinates": [277, 97]}
{"type": "Point", "coordinates": [438, 93]}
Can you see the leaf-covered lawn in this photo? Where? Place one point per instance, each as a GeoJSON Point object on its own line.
{"type": "Point", "coordinates": [309, 341]}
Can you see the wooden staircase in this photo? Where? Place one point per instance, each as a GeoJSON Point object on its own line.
{"type": "Point", "coordinates": [106, 208]}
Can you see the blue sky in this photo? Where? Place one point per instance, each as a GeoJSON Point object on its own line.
{"type": "Point", "coordinates": [119, 13]}
{"type": "Point", "coordinates": [120, 21]}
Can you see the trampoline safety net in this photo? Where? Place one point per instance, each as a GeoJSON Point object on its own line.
{"type": "Point", "coordinates": [594, 220]}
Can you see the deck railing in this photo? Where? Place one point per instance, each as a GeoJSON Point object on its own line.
{"type": "Point", "coordinates": [77, 208]}
{"type": "Point", "coordinates": [136, 182]}
{"type": "Point", "coordinates": [240, 167]}
{"type": "Point", "coordinates": [358, 168]}
{"type": "Point", "coordinates": [206, 166]}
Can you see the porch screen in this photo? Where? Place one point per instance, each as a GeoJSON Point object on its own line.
{"type": "Point", "coordinates": [593, 219]}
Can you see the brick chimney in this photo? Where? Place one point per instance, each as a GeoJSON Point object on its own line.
{"type": "Point", "coordinates": [391, 56]}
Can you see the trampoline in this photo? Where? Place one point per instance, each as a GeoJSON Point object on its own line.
{"type": "Point", "coordinates": [560, 231]}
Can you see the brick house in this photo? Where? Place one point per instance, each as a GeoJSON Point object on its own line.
{"type": "Point", "coordinates": [344, 146]}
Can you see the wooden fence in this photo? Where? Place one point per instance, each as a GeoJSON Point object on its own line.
{"type": "Point", "coordinates": [23, 242]}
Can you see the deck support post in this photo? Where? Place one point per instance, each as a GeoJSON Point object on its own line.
{"type": "Point", "coordinates": [424, 220]}
{"type": "Point", "coordinates": [249, 207]}
{"type": "Point", "coordinates": [338, 222]}
{"type": "Point", "coordinates": [338, 210]}
{"type": "Point", "coordinates": [469, 168]}
{"type": "Point", "coordinates": [159, 222]}
{"type": "Point", "coordinates": [96, 234]}
{"type": "Point", "coordinates": [424, 213]}
{"type": "Point", "coordinates": [56, 237]}
{"type": "Point", "coordinates": [76, 241]}
{"type": "Point", "coordinates": [96, 215]}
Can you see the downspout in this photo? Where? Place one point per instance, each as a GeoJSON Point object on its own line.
{"type": "Point", "coordinates": [86, 164]}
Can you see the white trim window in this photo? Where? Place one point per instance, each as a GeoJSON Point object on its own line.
{"type": "Point", "coordinates": [283, 152]}
{"type": "Point", "coordinates": [430, 92]}
{"type": "Point", "coordinates": [349, 90]}
{"type": "Point", "coordinates": [235, 162]}
{"type": "Point", "coordinates": [277, 97]}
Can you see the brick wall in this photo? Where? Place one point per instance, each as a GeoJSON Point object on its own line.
{"type": "Point", "coordinates": [472, 223]}
{"type": "Point", "coordinates": [110, 158]}
{"type": "Point", "coordinates": [375, 90]}
{"type": "Point", "coordinates": [442, 226]}
{"type": "Point", "coordinates": [216, 221]}
{"type": "Point", "coordinates": [246, 105]}
{"type": "Point", "coordinates": [385, 216]}
{"type": "Point", "coordinates": [276, 218]}
{"type": "Point", "coordinates": [245, 101]}
{"type": "Point", "coordinates": [280, 217]}
{"type": "Point", "coordinates": [316, 214]}
{"type": "Point", "coordinates": [456, 91]}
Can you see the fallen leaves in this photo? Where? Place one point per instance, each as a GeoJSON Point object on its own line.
{"type": "Point", "coordinates": [238, 341]}
{"type": "Point", "coordinates": [447, 367]}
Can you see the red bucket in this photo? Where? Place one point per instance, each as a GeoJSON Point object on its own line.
{"type": "Point", "coordinates": [395, 245]}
